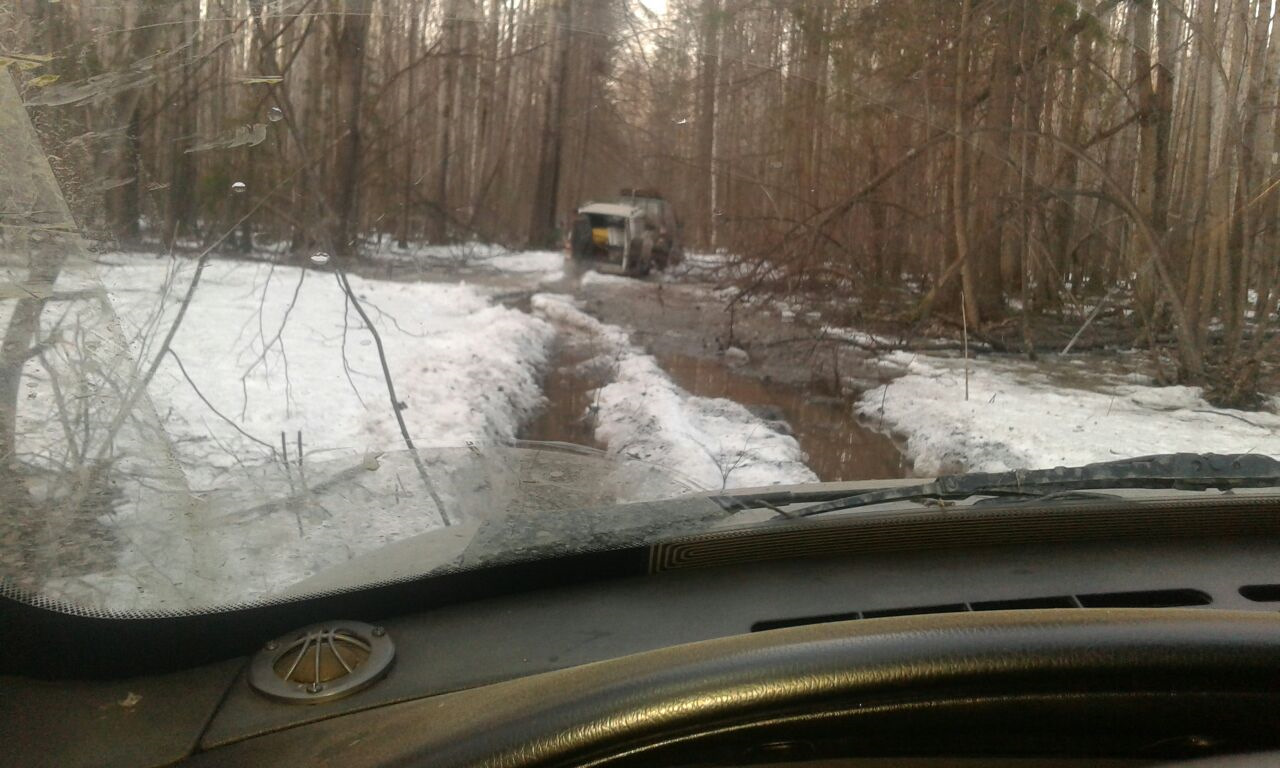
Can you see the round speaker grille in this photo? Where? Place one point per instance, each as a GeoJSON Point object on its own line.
{"type": "Point", "coordinates": [322, 662]}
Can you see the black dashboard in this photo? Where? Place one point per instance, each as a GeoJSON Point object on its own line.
{"type": "Point", "coordinates": [449, 653]}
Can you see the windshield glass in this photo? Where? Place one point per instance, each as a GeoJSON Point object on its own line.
{"type": "Point", "coordinates": [287, 284]}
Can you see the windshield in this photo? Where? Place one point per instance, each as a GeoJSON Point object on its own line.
{"type": "Point", "coordinates": [288, 285]}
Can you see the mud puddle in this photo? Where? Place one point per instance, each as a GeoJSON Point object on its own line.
{"type": "Point", "coordinates": [569, 393]}
{"type": "Point", "coordinates": [838, 446]}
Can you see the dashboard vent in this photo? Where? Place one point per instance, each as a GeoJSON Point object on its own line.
{"type": "Point", "coordinates": [916, 611]}
{"type": "Point", "coordinates": [1155, 598]}
{"type": "Point", "coordinates": [1026, 604]}
{"type": "Point", "coordinates": [1261, 593]}
{"type": "Point", "coordinates": [1151, 598]}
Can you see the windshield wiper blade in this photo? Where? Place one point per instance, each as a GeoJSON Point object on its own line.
{"type": "Point", "coordinates": [1177, 471]}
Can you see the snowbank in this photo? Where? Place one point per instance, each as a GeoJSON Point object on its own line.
{"type": "Point", "coordinates": [708, 267]}
{"type": "Point", "coordinates": [450, 253]}
{"type": "Point", "coordinates": [546, 266]}
{"type": "Point", "coordinates": [1015, 419]}
{"type": "Point", "coordinates": [859, 338]}
{"type": "Point", "coordinates": [276, 350]}
{"type": "Point", "coordinates": [642, 414]}
{"type": "Point", "coordinates": [548, 262]}
{"type": "Point", "coordinates": [592, 277]}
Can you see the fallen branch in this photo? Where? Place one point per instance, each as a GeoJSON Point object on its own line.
{"type": "Point", "coordinates": [270, 448]}
{"type": "Point", "coordinates": [346, 364]}
{"type": "Point", "coordinates": [261, 359]}
{"type": "Point", "coordinates": [391, 393]}
{"type": "Point", "coordinates": [1212, 412]}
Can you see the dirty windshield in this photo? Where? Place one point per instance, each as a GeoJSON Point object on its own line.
{"type": "Point", "coordinates": [301, 294]}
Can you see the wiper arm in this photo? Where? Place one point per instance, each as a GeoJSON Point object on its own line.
{"type": "Point", "coordinates": [1179, 471]}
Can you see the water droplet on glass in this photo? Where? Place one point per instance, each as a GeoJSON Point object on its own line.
{"type": "Point", "coordinates": [319, 257]}
{"type": "Point", "coordinates": [238, 187]}
{"type": "Point", "coordinates": [275, 114]}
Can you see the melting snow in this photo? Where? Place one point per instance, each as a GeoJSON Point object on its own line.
{"type": "Point", "coordinates": [547, 266]}
{"type": "Point", "coordinates": [593, 277]}
{"type": "Point", "coordinates": [642, 414]}
{"type": "Point", "coordinates": [266, 346]}
{"type": "Point", "coordinates": [1025, 421]}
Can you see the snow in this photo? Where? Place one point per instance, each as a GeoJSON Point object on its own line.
{"type": "Point", "coordinates": [860, 338]}
{"type": "Point", "coordinates": [463, 368]}
{"type": "Point", "coordinates": [707, 267]}
{"type": "Point", "coordinates": [276, 350]}
{"type": "Point", "coordinates": [641, 414]}
{"type": "Point", "coordinates": [541, 267]}
{"type": "Point", "coordinates": [593, 277]}
{"type": "Point", "coordinates": [562, 310]}
{"type": "Point", "coordinates": [736, 356]}
{"type": "Point", "coordinates": [1018, 419]}
{"type": "Point", "coordinates": [265, 346]}
{"type": "Point", "coordinates": [448, 253]}
{"type": "Point", "coordinates": [528, 261]}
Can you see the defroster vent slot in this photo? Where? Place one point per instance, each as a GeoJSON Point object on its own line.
{"type": "Point", "coordinates": [1147, 598]}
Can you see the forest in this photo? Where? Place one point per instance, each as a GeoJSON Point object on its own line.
{"type": "Point", "coordinates": [1018, 169]}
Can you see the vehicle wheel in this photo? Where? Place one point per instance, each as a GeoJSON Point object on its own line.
{"type": "Point", "coordinates": [580, 243]}
{"type": "Point", "coordinates": [661, 259]}
{"type": "Point", "coordinates": [639, 258]}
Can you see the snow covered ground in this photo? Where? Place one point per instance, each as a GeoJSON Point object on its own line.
{"type": "Point", "coordinates": [539, 266]}
{"type": "Point", "coordinates": [592, 277]}
{"type": "Point", "coordinates": [859, 337]}
{"type": "Point", "coordinates": [277, 351]}
{"type": "Point", "coordinates": [1017, 418]}
{"type": "Point", "coordinates": [703, 267]}
{"type": "Point", "coordinates": [642, 414]}
{"type": "Point", "coordinates": [268, 350]}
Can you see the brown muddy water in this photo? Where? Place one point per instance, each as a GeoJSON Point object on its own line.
{"type": "Point", "coordinates": [837, 445]}
{"type": "Point", "coordinates": [569, 393]}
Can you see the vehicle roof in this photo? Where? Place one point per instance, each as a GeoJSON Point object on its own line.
{"type": "Point", "coordinates": [610, 209]}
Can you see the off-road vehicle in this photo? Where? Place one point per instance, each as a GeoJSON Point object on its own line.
{"type": "Point", "coordinates": [633, 234]}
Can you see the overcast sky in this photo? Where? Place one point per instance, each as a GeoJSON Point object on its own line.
{"type": "Point", "coordinates": [657, 6]}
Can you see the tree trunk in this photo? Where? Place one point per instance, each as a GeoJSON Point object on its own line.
{"type": "Point", "coordinates": [545, 205]}
{"type": "Point", "coordinates": [445, 97]}
{"type": "Point", "coordinates": [708, 63]}
{"type": "Point", "coordinates": [960, 175]}
{"type": "Point", "coordinates": [410, 141]}
{"type": "Point", "coordinates": [352, 34]}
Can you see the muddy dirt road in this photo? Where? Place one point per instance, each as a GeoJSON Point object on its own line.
{"type": "Point", "coordinates": [754, 356]}
{"type": "Point", "coordinates": [683, 322]}
{"type": "Point", "coordinates": [803, 373]}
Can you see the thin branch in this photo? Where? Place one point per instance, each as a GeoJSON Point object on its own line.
{"type": "Point", "coordinates": [346, 364]}
{"type": "Point", "coordinates": [270, 448]}
{"type": "Point", "coordinates": [278, 338]}
{"type": "Point", "coordinates": [391, 393]}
